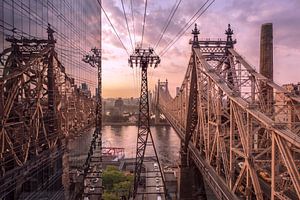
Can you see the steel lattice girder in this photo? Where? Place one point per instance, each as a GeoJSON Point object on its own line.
{"type": "Point", "coordinates": [25, 120]}
{"type": "Point", "coordinates": [144, 58]}
{"type": "Point", "coordinates": [239, 148]}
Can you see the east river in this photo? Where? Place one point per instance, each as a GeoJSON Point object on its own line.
{"type": "Point", "coordinates": [165, 138]}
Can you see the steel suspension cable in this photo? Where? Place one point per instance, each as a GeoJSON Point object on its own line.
{"type": "Point", "coordinates": [170, 17]}
{"type": "Point", "coordinates": [127, 25]}
{"type": "Point", "coordinates": [113, 27]}
{"type": "Point", "coordinates": [145, 14]}
{"type": "Point", "coordinates": [132, 16]}
{"type": "Point", "coordinates": [186, 27]}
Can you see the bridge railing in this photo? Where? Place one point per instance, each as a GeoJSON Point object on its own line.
{"type": "Point", "coordinates": [240, 137]}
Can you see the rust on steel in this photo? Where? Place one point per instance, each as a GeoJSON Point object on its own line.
{"type": "Point", "coordinates": [239, 148]}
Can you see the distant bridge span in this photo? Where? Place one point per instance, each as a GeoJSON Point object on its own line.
{"type": "Point", "coordinates": [239, 128]}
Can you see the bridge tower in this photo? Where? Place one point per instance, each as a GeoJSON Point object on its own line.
{"type": "Point", "coordinates": [157, 113]}
{"type": "Point", "coordinates": [156, 102]}
{"type": "Point", "coordinates": [93, 163]}
{"type": "Point", "coordinates": [143, 58]}
{"type": "Point", "coordinates": [52, 107]}
{"type": "Point", "coordinates": [237, 138]}
{"type": "Point", "coordinates": [40, 159]}
{"type": "Point", "coordinates": [187, 169]}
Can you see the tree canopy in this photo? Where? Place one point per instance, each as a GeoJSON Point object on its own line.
{"type": "Point", "coordinates": [116, 183]}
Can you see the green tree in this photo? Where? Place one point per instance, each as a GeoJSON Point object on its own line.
{"type": "Point", "coordinates": [122, 187]}
{"type": "Point", "coordinates": [111, 177]}
{"type": "Point", "coordinates": [116, 182]}
{"type": "Point", "coordinates": [110, 196]}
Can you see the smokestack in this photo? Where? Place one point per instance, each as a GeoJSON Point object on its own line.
{"type": "Point", "coordinates": [266, 50]}
{"type": "Point", "coordinates": [266, 64]}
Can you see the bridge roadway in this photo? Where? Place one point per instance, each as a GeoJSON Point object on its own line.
{"type": "Point", "coordinates": [153, 183]}
{"type": "Point", "coordinates": [217, 185]}
{"type": "Point", "coordinates": [242, 147]}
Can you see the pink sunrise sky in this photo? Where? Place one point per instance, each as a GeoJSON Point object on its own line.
{"type": "Point", "coordinates": [245, 16]}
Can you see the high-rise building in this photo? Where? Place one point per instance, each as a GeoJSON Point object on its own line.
{"type": "Point", "coordinates": [177, 91]}
{"type": "Point", "coordinates": [286, 111]}
{"type": "Point", "coordinates": [84, 86]}
{"type": "Point", "coordinates": [76, 24]}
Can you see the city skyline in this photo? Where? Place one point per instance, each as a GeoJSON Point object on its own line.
{"type": "Point", "coordinates": [81, 116]}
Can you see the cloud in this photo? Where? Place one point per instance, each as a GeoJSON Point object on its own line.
{"type": "Point", "coordinates": [245, 16]}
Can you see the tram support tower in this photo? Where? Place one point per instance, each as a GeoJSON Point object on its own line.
{"type": "Point", "coordinates": [143, 58]}
{"type": "Point", "coordinates": [94, 59]}
{"type": "Point", "coordinates": [93, 164]}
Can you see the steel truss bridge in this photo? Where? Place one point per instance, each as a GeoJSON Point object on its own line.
{"type": "Point", "coordinates": [40, 106]}
{"type": "Point", "coordinates": [230, 130]}
{"type": "Point", "coordinates": [233, 131]}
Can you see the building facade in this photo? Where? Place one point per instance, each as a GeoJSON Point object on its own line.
{"type": "Point", "coordinates": [33, 164]}
{"type": "Point", "coordinates": [284, 112]}
{"type": "Point", "coordinates": [76, 24]}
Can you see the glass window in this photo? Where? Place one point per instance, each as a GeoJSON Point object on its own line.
{"type": "Point", "coordinates": [33, 6]}
{"type": "Point", "coordinates": [26, 25]}
{"type": "Point", "coordinates": [18, 21]}
{"type": "Point", "coordinates": [1, 26]}
{"type": "Point", "coordinates": [26, 3]}
{"type": "Point", "coordinates": [8, 15]}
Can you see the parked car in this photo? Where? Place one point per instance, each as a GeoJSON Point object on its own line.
{"type": "Point", "coordinates": [157, 188]}
{"type": "Point", "coordinates": [95, 180]}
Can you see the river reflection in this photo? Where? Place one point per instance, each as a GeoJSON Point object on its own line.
{"type": "Point", "coordinates": [165, 138]}
{"type": "Point", "coordinates": [166, 141]}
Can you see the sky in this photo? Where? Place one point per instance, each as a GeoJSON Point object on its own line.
{"type": "Point", "coordinates": [245, 17]}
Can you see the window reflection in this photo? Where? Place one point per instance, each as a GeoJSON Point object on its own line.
{"type": "Point", "coordinates": [69, 19]}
